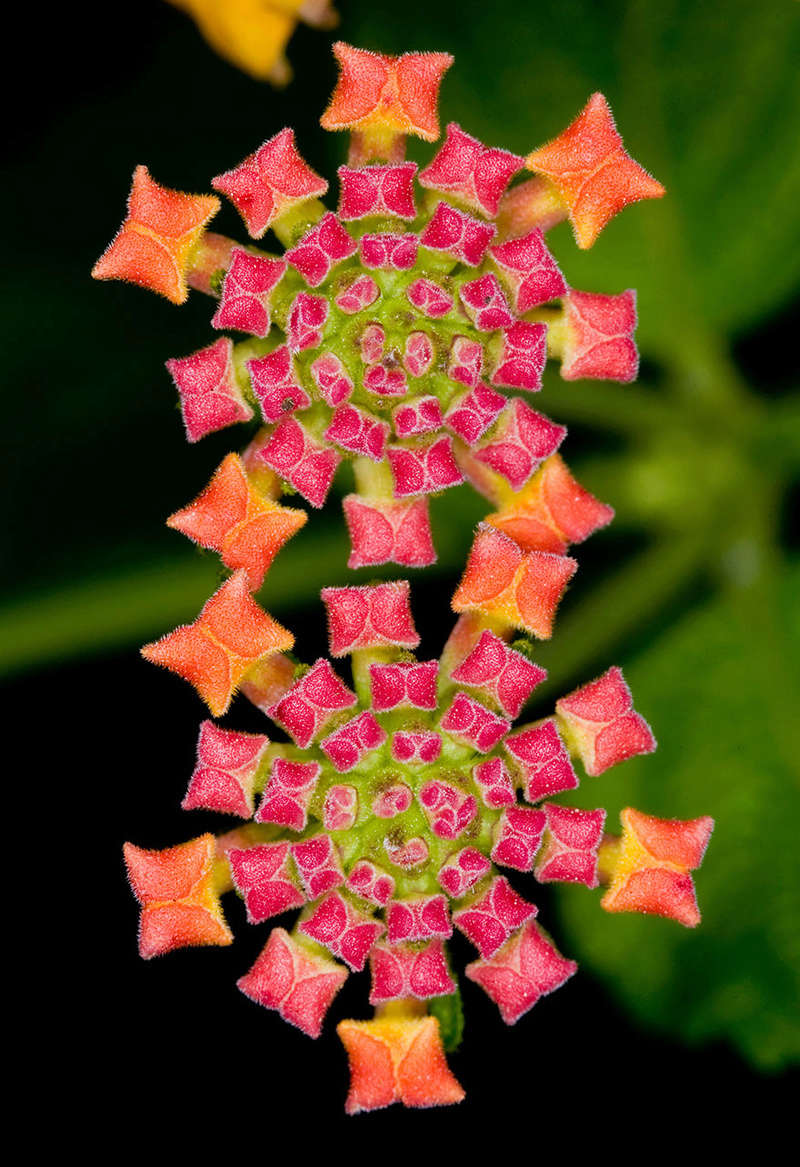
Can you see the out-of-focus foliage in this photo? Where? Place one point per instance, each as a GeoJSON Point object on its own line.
{"type": "Point", "coordinates": [707, 96]}
{"type": "Point", "coordinates": [723, 695]}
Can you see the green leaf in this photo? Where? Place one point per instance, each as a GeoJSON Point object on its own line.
{"type": "Point", "coordinates": [721, 691]}
{"type": "Point", "coordinates": [707, 97]}
{"type": "Point", "coordinates": [449, 1012]}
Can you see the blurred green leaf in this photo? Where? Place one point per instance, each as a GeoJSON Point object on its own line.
{"type": "Point", "coordinates": [707, 96]}
{"type": "Point", "coordinates": [721, 690]}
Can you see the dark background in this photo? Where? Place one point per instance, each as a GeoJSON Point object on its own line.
{"type": "Point", "coordinates": [693, 590]}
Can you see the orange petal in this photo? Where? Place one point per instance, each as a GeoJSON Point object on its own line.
{"type": "Point", "coordinates": [493, 562]}
{"type": "Point", "coordinates": [423, 1075]}
{"type": "Point", "coordinates": [229, 636]}
{"type": "Point", "coordinates": [362, 78]}
{"type": "Point", "coordinates": [232, 517]}
{"type": "Point", "coordinates": [237, 622]}
{"type": "Point", "coordinates": [171, 874]}
{"type": "Point", "coordinates": [394, 93]}
{"type": "Point", "coordinates": [520, 588]}
{"type": "Point", "coordinates": [180, 906]}
{"type": "Point", "coordinates": [218, 508]}
{"type": "Point", "coordinates": [540, 585]}
{"type": "Point", "coordinates": [397, 1060]}
{"type": "Point", "coordinates": [592, 171]}
{"type": "Point", "coordinates": [155, 244]}
{"type": "Point", "coordinates": [651, 866]}
{"type": "Point", "coordinates": [551, 511]}
{"type": "Point", "coordinates": [193, 655]}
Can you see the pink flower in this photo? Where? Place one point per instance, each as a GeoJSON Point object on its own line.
{"type": "Point", "coordinates": [291, 979]}
{"type": "Point", "coordinates": [210, 396]}
{"type": "Point", "coordinates": [264, 878]}
{"type": "Point", "coordinates": [490, 919]}
{"type": "Point", "coordinates": [320, 249]}
{"type": "Point", "coordinates": [225, 773]}
{"type": "Point", "coordinates": [457, 234]}
{"type": "Point", "coordinates": [269, 183]}
{"type": "Point", "coordinates": [288, 793]}
{"type": "Point", "coordinates": [247, 291]}
{"type": "Point", "coordinates": [377, 190]}
{"type": "Point", "coordinates": [470, 171]}
{"type": "Point", "coordinates": [525, 969]}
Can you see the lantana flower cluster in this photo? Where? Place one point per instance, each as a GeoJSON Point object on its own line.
{"type": "Point", "coordinates": [395, 333]}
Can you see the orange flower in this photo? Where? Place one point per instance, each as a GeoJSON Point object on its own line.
{"type": "Point", "coordinates": [511, 585]}
{"type": "Point", "coordinates": [233, 518]}
{"type": "Point", "coordinates": [216, 652]}
{"type": "Point", "coordinates": [180, 905]}
{"type": "Point", "coordinates": [156, 242]}
{"type": "Point", "coordinates": [397, 1058]}
{"type": "Point", "coordinates": [650, 865]}
{"type": "Point", "coordinates": [592, 172]}
{"type": "Point", "coordinates": [386, 96]}
{"type": "Point", "coordinates": [551, 511]}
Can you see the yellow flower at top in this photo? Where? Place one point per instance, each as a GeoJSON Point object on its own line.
{"type": "Point", "coordinates": [252, 34]}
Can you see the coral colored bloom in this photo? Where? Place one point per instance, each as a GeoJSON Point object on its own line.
{"type": "Point", "coordinates": [154, 246]}
{"type": "Point", "coordinates": [231, 517]}
{"type": "Point", "coordinates": [592, 172]}
{"type": "Point", "coordinates": [651, 865]}
{"type": "Point", "coordinates": [397, 1060]}
{"type": "Point", "coordinates": [502, 581]}
{"type": "Point", "coordinates": [551, 511]}
{"type": "Point", "coordinates": [175, 887]}
{"type": "Point", "coordinates": [389, 93]}
{"type": "Point", "coordinates": [231, 634]}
